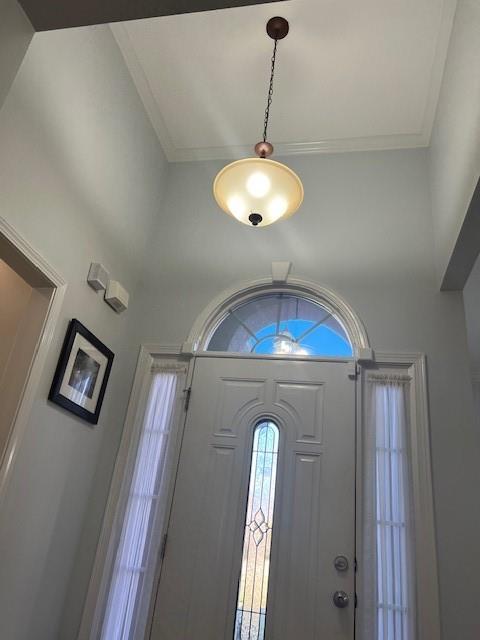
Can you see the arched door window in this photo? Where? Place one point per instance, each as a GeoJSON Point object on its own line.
{"type": "Point", "coordinates": [253, 585]}
{"type": "Point", "coordinates": [283, 324]}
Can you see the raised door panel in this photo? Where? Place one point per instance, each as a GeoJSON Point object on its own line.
{"type": "Point", "coordinates": [235, 397]}
{"type": "Point", "coordinates": [303, 403]}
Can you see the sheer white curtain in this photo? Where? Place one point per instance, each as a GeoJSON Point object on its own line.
{"type": "Point", "coordinates": [389, 608]}
{"type": "Point", "coordinates": [134, 567]}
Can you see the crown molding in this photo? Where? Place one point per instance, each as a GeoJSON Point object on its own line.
{"type": "Point", "coordinates": [340, 145]}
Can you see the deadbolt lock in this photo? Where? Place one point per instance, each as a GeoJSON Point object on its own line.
{"type": "Point", "coordinates": [341, 563]}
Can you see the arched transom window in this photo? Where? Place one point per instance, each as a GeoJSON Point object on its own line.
{"type": "Point", "coordinates": [280, 323]}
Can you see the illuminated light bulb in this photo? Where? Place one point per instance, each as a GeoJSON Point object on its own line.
{"type": "Point", "coordinates": [277, 207]}
{"type": "Point", "coordinates": [237, 207]}
{"type": "Point", "coordinates": [284, 344]}
{"type": "Point", "coordinates": [258, 184]}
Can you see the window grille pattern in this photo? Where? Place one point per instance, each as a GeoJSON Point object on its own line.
{"type": "Point", "coordinates": [281, 324]}
{"type": "Point", "coordinates": [132, 577]}
{"type": "Point", "coordinates": [253, 586]}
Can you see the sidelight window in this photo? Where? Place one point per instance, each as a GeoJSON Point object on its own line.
{"type": "Point", "coordinates": [253, 586]}
{"type": "Point", "coordinates": [389, 520]}
{"type": "Point", "coordinates": [143, 518]}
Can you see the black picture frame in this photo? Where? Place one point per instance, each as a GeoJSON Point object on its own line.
{"type": "Point", "coordinates": [81, 376]}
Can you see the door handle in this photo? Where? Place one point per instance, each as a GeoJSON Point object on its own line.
{"type": "Point", "coordinates": [341, 599]}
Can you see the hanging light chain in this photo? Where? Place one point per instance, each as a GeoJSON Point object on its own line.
{"type": "Point", "coordinates": [270, 92]}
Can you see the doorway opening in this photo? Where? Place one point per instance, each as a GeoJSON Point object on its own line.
{"type": "Point", "coordinates": [30, 298]}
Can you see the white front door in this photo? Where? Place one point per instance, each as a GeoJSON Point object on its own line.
{"type": "Point", "coordinates": [313, 406]}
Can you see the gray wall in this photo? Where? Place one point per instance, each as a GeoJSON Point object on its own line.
{"type": "Point", "coordinates": [81, 177]}
{"type": "Point", "coordinates": [364, 230]}
{"type": "Point", "coordinates": [471, 296]}
{"type": "Point", "coordinates": [455, 144]}
{"type": "Point", "coordinates": [16, 33]}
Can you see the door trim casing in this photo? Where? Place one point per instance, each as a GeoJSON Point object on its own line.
{"type": "Point", "coordinates": [59, 286]}
{"type": "Point", "coordinates": [428, 612]}
{"type": "Point", "coordinates": [426, 576]}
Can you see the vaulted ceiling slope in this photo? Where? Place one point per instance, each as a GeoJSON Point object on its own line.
{"type": "Point", "coordinates": [350, 76]}
{"type": "Point", "coordinates": [59, 14]}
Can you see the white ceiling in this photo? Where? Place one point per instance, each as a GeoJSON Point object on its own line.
{"type": "Point", "coordinates": [350, 75]}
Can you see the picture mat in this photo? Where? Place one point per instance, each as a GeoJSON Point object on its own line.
{"type": "Point", "coordinates": [70, 392]}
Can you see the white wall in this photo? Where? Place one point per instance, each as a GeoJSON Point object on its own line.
{"type": "Point", "coordinates": [15, 35]}
{"type": "Point", "coordinates": [364, 230]}
{"type": "Point", "coordinates": [455, 143]}
{"type": "Point", "coordinates": [81, 177]}
{"type": "Point", "coordinates": [471, 297]}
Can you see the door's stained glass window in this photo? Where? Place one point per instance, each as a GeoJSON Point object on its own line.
{"type": "Point", "coordinates": [253, 586]}
{"type": "Point", "coordinates": [283, 324]}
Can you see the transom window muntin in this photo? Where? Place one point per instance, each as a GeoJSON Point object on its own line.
{"type": "Point", "coordinates": [251, 609]}
{"type": "Point", "coordinates": [281, 324]}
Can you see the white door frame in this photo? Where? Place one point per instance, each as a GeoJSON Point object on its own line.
{"type": "Point", "coordinates": [59, 286]}
{"type": "Point", "coordinates": [426, 574]}
{"type": "Point", "coordinates": [427, 600]}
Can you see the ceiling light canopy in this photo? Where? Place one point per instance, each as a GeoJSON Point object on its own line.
{"type": "Point", "coordinates": [259, 191]}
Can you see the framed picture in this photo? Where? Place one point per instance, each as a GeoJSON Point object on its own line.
{"type": "Point", "coordinates": [82, 373]}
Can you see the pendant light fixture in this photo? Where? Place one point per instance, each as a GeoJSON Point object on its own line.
{"type": "Point", "coordinates": [259, 191]}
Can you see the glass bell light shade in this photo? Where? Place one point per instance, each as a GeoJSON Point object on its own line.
{"type": "Point", "coordinates": [258, 191]}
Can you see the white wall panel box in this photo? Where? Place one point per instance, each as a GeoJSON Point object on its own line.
{"type": "Point", "coordinates": [98, 277]}
{"type": "Point", "coordinates": [116, 296]}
